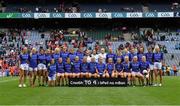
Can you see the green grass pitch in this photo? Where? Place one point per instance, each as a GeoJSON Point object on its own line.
{"type": "Point", "coordinates": [168, 94]}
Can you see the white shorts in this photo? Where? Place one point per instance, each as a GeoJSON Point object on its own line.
{"type": "Point", "coordinates": [53, 78]}
{"type": "Point", "coordinates": [32, 69]}
{"type": "Point", "coordinates": [151, 66]}
{"type": "Point", "coordinates": [136, 73]}
{"type": "Point", "coordinates": [59, 74]}
{"type": "Point", "coordinates": [157, 65]}
{"type": "Point", "coordinates": [24, 66]}
{"type": "Point", "coordinates": [41, 66]}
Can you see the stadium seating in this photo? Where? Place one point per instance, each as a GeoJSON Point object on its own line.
{"type": "Point", "coordinates": [170, 45]}
{"type": "Point", "coordinates": [95, 7]}
{"type": "Point", "coordinates": [102, 33]}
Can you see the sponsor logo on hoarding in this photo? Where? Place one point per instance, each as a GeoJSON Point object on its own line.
{"type": "Point", "coordinates": [134, 15]}
{"type": "Point", "coordinates": [165, 14]}
{"type": "Point", "coordinates": [72, 15]}
{"type": "Point", "coordinates": [41, 15]}
{"type": "Point", "coordinates": [103, 15]}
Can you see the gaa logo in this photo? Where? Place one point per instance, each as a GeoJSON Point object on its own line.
{"type": "Point", "coordinates": [103, 15]}
{"type": "Point", "coordinates": [87, 15]}
{"type": "Point", "coordinates": [134, 15]}
{"type": "Point", "coordinates": [118, 15]}
{"type": "Point", "coordinates": [72, 15]}
{"type": "Point", "coordinates": [26, 15]}
{"type": "Point", "coordinates": [165, 14]}
{"type": "Point", "coordinates": [149, 15]}
{"type": "Point", "coordinates": [57, 15]}
{"type": "Point", "coordinates": [41, 15]}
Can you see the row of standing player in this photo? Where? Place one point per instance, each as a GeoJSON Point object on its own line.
{"type": "Point", "coordinates": [51, 67]}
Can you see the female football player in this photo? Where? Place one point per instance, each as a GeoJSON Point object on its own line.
{"type": "Point", "coordinates": [135, 68]}
{"type": "Point", "coordinates": [145, 69]}
{"type": "Point", "coordinates": [84, 68]}
{"type": "Point", "coordinates": [68, 70]}
{"type": "Point", "coordinates": [110, 72]}
{"type": "Point", "coordinates": [24, 66]}
{"type": "Point", "coordinates": [118, 68]}
{"type": "Point", "coordinates": [76, 68]}
{"type": "Point", "coordinates": [33, 66]}
{"type": "Point", "coordinates": [52, 73]}
{"type": "Point", "coordinates": [158, 58]}
{"type": "Point", "coordinates": [42, 70]}
{"type": "Point", "coordinates": [126, 69]}
{"type": "Point", "coordinates": [101, 67]}
{"type": "Point", "coordinates": [60, 72]}
{"type": "Point", "coordinates": [93, 68]}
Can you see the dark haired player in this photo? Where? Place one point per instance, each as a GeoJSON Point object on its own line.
{"type": "Point", "coordinates": [80, 54]}
{"type": "Point", "coordinates": [149, 58]}
{"type": "Point", "coordinates": [132, 53]}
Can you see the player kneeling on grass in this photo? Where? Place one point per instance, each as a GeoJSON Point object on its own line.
{"type": "Point", "coordinates": [76, 68]}
{"type": "Point", "coordinates": [84, 68]}
{"type": "Point", "coordinates": [33, 67]}
{"type": "Point", "coordinates": [126, 69]}
{"type": "Point", "coordinates": [101, 67]}
{"type": "Point", "coordinates": [52, 73]}
{"type": "Point", "coordinates": [68, 72]}
{"type": "Point", "coordinates": [93, 68]}
{"type": "Point", "coordinates": [110, 72]}
{"type": "Point", "coordinates": [145, 69]}
{"type": "Point", "coordinates": [135, 68]}
{"type": "Point", "coordinates": [24, 66]}
{"type": "Point", "coordinates": [118, 68]}
{"type": "Point", "coordinates": [60, 72]}
{"type": "Point", "coordinates": [158, 58]}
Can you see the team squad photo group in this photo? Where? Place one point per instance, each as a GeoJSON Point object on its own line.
{"type": "Point", "coordinates": [54, 67]}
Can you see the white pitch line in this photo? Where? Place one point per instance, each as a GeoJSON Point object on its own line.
{"type": "Point", "coordinates": [8, 80]}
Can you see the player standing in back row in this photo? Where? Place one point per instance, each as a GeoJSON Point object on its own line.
{"type": "Point", "coordinates": [158, 58]}
{"type": "Point", "coordinates": [24, 67]}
